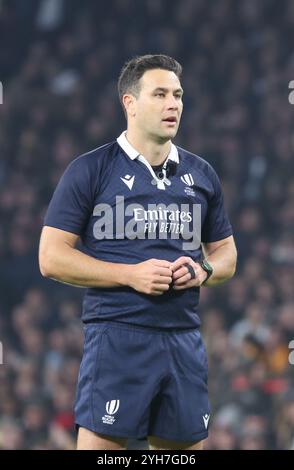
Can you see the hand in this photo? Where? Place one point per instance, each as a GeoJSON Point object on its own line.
{"type": "Point", "coordinates": [182, 278]}
{"type": "Point", "coordinates": [152, 277]}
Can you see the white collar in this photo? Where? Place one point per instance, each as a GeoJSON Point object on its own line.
{"type": "Point", "coordinates": [133, 153]}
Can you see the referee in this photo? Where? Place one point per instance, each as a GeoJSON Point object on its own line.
{"type": "Point", "coordinates": [151, 218]}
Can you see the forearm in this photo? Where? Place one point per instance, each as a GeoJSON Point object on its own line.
{"type": "Point", "coordinates": [223, 261]}
{"type": "Point", "coordinates": [71, 266]}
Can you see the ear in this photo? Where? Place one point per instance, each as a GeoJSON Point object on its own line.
{"type": "Point", "coordinates": [129, 102]}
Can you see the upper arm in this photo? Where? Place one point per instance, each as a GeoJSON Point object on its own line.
{"type": "Point", "coordinates": [54, 240]}
{"type": "Point", "coordinates": [216, 224]}
{"type": "Point", "coordinates": [52, 236]}
{"type": "Point", "coordinates": [209, 248]}
{"type": "Point", "coordinates": [73, 199]}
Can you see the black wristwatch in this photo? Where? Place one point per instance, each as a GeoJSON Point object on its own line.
{"type": "Point", "coordinates": [207, 268]}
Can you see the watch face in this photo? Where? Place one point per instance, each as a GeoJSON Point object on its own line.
{"type": "Point", "coordinates": [206, 266]}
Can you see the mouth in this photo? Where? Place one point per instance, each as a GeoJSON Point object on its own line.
{"type": "Point", "coordinates": [172, 120]}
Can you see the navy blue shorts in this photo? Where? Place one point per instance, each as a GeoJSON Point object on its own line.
{"type": "Point", "coordinates": [136, 382]}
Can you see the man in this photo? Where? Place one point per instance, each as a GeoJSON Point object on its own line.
{"type": "Point", "coordinates": [138, 205]}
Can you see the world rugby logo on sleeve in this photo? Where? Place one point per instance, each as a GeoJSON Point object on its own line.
{"type": "Point", "coordinates": [188, 181]}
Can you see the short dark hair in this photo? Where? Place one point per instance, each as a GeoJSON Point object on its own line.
{"type": "Point", "coordinates": [135, 68]}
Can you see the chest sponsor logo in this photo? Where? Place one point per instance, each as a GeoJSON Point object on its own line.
{"type": "Point", "coordinates": [158, 221]}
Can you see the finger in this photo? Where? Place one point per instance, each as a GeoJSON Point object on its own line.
{"type": "Point", "coordinates": [163, 271]}
{"type": "Point", "coordinates": [180, 272]}
{"type": "Point", "coordinates": [161, 287]}
{"type": "Point", "coordinates": [182, 280]}
{"type": "Point", "coordinates": [181, 287]}
{"type": "Point", "coordinates": [179, 262]}
{"type": "Point", "coordinates": [163, 280]}
{"type": "Point", "coordinates": [191, 271]}
{"type": "Point", "coordinates": [161, 262]}
{"type": "Point", "coordinates": [186, 285]}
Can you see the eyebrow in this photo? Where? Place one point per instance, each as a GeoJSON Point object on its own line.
{"type": "Point", "coordinates": [165, 90]}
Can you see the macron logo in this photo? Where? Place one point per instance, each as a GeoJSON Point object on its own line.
{"type": "Point", "coordinates": [129, 181]}
{"type": "Point", "coordinates": [206, 419]}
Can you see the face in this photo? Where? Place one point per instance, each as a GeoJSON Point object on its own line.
{"type": "Point", "coordinates": [156, 112]}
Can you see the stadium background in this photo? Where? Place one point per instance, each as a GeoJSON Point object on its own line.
{"type": "Point", "coordinates": [59, 60]}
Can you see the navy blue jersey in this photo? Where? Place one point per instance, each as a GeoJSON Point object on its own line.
{"type": "Point", "coordinates": [125, 212]}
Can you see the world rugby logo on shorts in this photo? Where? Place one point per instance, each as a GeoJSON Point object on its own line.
{"type": "Point", "coordinates": [111, 408]}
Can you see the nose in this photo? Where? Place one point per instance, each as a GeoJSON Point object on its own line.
{"type": "Point", "coordinates": [173, 102]}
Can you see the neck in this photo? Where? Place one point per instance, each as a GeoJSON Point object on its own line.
{"type": "Point", "coordinates": [154, 152]}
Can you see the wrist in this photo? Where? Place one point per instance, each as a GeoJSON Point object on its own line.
{"type": "Point", "coordinates": [204, 276]}
{"type": "Point", "coordinates": [207, 269]}
{"type": "Point", "coordinates": [126, 275]}
{"type": "Point", "coordinates": [200, 274]}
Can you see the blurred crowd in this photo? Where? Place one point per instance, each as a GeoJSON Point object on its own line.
{"type": "Point", "coordinates": [59, 61]}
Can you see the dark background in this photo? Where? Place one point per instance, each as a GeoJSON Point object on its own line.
{"type": "Point", "coordinates": [59, 61]}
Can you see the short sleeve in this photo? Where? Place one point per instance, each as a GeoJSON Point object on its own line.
{"type": "Point", "coordinates": [72, 201]}
{"type": "Point", "coordinates": [216, 224]}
